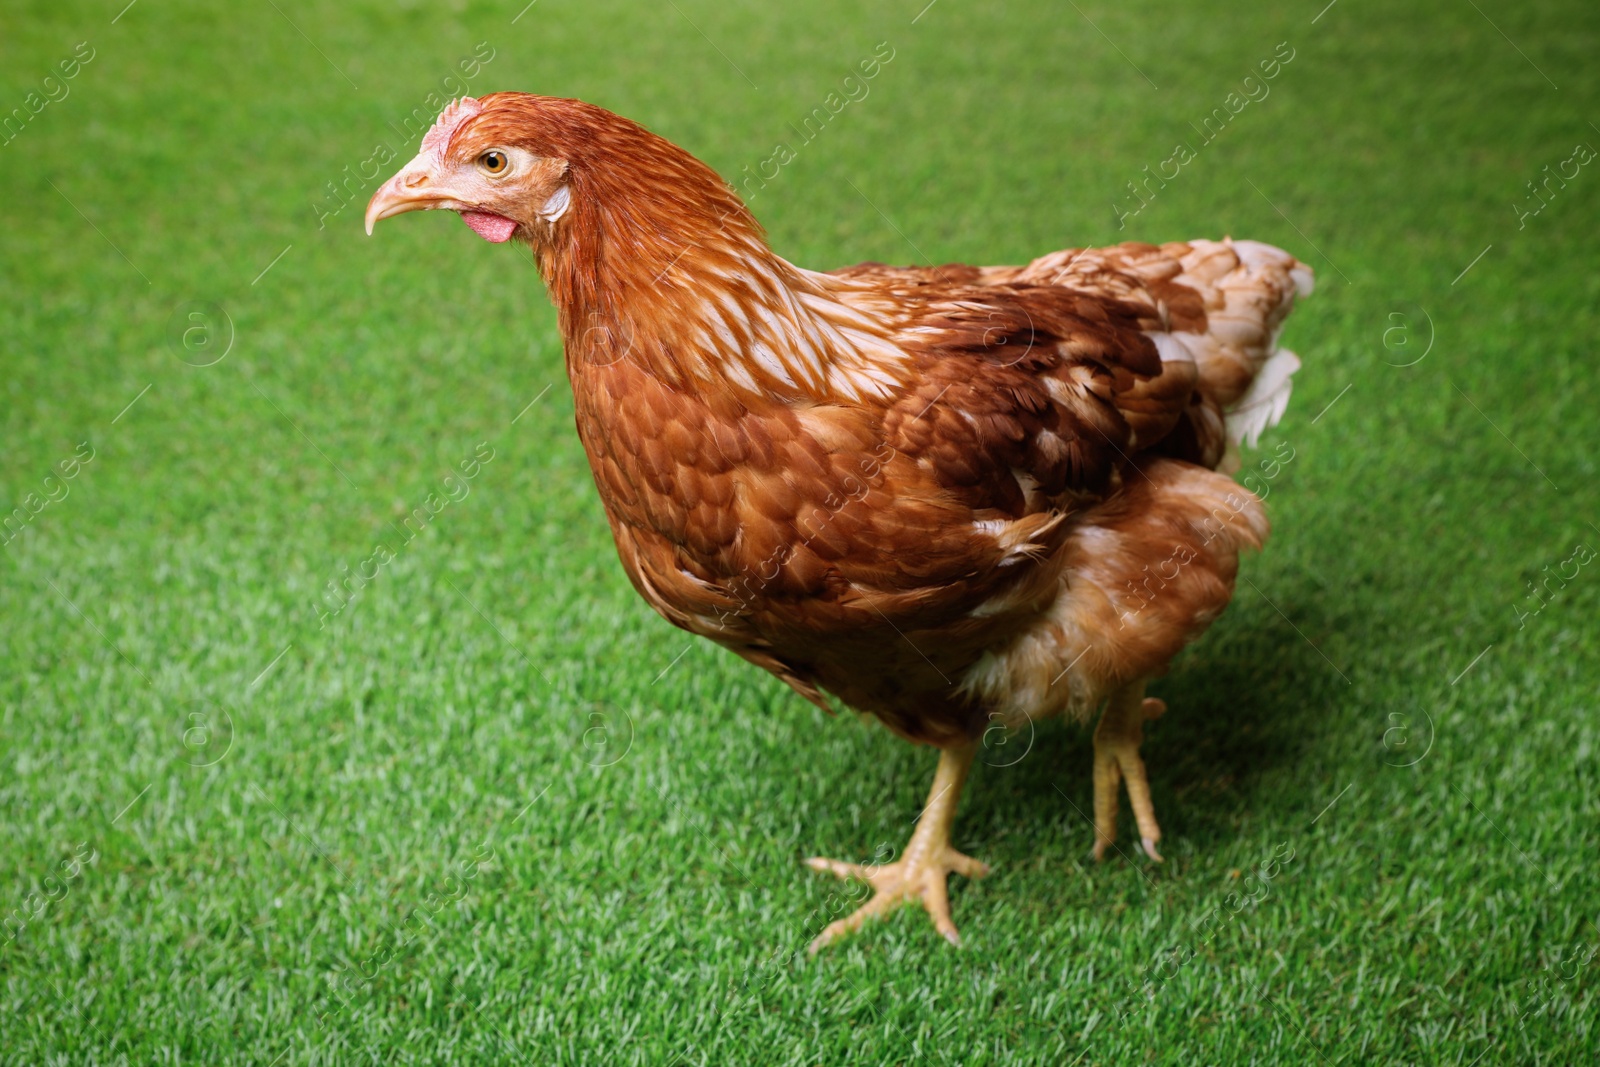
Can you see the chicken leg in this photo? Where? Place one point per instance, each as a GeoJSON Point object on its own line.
{"type": "Point", "coordinates": [1116, 759]}
{"type": "Point", "coordinates": [928, 860]}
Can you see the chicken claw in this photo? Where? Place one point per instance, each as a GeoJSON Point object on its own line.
{"type": "Point", "coordinates": [921, 872]}
{"type": "Point", "coordinates": [1116, 760]}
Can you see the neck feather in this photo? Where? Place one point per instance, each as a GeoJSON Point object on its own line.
{"type": "Point", "coordinates": [675, 275]}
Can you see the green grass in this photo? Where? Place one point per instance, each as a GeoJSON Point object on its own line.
{"type": "Point", "coordinates": [278, 812]}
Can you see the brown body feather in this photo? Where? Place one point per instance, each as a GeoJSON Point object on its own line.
{"type": "Point", "coordinates": [933, 492]}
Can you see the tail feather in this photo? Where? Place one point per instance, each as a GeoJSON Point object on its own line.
{"type": "Point", "coordinates": [1264, 403]}
{"type": "Point", "coordinates": [1248, 288]}
{"type": "Point", "coordinates": [1218, 304]}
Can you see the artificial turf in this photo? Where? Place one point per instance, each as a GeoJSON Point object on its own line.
{"type": "Point", "coordinates": [495, 810]}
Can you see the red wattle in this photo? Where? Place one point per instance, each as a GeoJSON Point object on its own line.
{"type": "Point", "coordinates": [496, 228]}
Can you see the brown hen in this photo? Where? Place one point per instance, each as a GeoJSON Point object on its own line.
{"type": "Point", "coordinates": [953, 497]}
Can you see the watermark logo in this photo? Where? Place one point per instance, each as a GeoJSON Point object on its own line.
{"type": "Point", "coordinates": [205, 733]}
{"type": "Point", "coordinates": [200, 332]}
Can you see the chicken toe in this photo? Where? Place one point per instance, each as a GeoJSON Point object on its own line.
{"type": "Point", "coordinates": [1117, 762]}
{"type": "Point", "coordinates": [921, 872]}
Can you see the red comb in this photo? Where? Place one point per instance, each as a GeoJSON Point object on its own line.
{"type": "Point", "coordinates": [455, 113]}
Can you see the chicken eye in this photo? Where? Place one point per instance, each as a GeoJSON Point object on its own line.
{"type": "Point", "coordinates": [493, 162]}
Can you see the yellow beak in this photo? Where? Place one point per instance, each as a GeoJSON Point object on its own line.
{"type": "Point", "coordinates": [414, 188]}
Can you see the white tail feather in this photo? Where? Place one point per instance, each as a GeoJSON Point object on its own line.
{"type": "Point", "coordinates": [1263, 404]}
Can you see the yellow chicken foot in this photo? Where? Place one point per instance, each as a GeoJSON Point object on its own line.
{"type": "Point", "coordinates": [1116, 759]}
{"type": "Point", "coordinates": [928, 860]}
